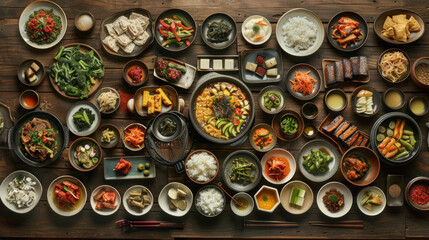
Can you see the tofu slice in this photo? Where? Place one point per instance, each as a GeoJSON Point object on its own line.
{"type": "Point", "coordinates": [270, 63]}
{"type": "Point", "coordinates": [229, 64]}
{"type": "Point", "coordinates": [35, 67]}
{"type": "Point", "coordinates": [217, 64]}
{"type": "Point", "coordinates": [251, 66]}
{"type": "Point", "coordinates": [272, 72]}
{"type": "Point", "coordinates": [205, 63]}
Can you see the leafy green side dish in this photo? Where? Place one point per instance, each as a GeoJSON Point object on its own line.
{"type": "Point", "coordinates": [218, 31]}
{"type": "Point", "coordinates": [317, 162]}
{"type": "Point", "coordinates": [83, 118]}
{"type": "Point", "coordinates": [289, 125]}
{"type": "Point", "coordinates": [75, 72]}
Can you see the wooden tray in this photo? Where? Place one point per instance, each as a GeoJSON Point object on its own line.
{"type": "Point", "coordinates": [358, 79]}
{"type": "Point", "coordinates": [328, 119]}
{"type": "Point", "coordinates": [185, 80]}
{"type": "Point", "coordinates": [235, 58]}
{"type": "Point", "coordinates": [110, 164]}
{"type": "Point", "coordinates": [137, 49]}
{"type": "Point", "coordinates": [169, 91]}
{"type": "Point", "coordinates": [83, 48]}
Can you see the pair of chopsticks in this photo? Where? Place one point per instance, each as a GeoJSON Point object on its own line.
{"type": "Point", "coordinates": [356, 224]}
{"type": "Point", "coordinates": [280, 224]}
{"type": "Point", "coordinates": [147, 224]}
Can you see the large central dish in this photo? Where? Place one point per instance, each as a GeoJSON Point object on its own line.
{"type": "Point", "coordinates": [213, 78]}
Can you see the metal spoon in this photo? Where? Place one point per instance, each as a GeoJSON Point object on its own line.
{"type": "Point", "coordinates": [427, 125]}
{"type": "Point", "coordinates": [235, 200]}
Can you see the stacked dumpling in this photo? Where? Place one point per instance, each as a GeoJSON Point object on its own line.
{"type": "Point", "coordinates": [127, 33]}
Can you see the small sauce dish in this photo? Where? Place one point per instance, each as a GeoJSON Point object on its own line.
{"type": "Point", "coordinates": [84, 21]}
{"type": "Point", "coordinates": [335, 100]}
{"type": "Point", "coordinates": [29, 99]}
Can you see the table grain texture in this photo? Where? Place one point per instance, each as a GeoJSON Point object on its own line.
{"type": "Point", "coordinates": [42, 222]}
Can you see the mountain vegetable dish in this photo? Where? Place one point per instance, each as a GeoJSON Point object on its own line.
{"type": "Point", "coordinates": [333, 200]}
{"type": "Point", "coordinates": [176, 31]}
{"type": "Point", "coordinates": [39, 139]}
{"type": "Point", "coordinates": [222, 110]}
{"type": "Point", "coordinates": [75, 71]}
{"type": "Point", "coordinates": [218, 31]}
{"type": "Point", "coordinates": [242, 171]}
{"type": "Point", "coordinates": [43, 26]}
{"type": "Point", "coordinates": [396, 140]}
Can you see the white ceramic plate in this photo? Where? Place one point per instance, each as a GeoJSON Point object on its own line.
{"type": "Point", "coordinates": [377, 209]}
{"type": "Point", "coordinates": [264, 40]}
{"type": "Point", "coordinates": [51, 195]}
{"type": "Point", "coordinates": [316, 145]}
{"type": "Point", "coordinates": [285, 197]}
{"type": "Point", "coordinates": [72, 126]}
{"type": "Point", "coordinates": [4, 185]}
{"type": "Point", "coordinates": [311, 16]}
{"type": "Point", "coordinates": [134, 211]}
{"type": "Point", "coordinates": [248, 210]}
{"type": "Point", "coordinates": [163, 199]}
{"type": "Point", "coordinates": [282, 153]}
{"type": "Point", "coordinates": [34, 6]}
{"type": "Point", "coordinates": [105, 212]}
{"type": "Point", "coordinates": [348, 199]}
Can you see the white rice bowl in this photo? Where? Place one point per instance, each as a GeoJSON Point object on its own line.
{"type": "Point", "coordinates": [210, 201]}
{"type": "Point", "coordinates": [299, 33]}
{"type": "Point", "coordinates": [201, 166]}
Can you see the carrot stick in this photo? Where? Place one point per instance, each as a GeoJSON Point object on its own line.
{"type": "Point", "coordinates": [397, 145]}
{"type": "Point", "coordinates": [401, 128]}
{"type": "Point", "coordinates": [391, 154]}
{"type": "Point", "coordinates": [384, 143]}
{"type": "Point", "coordinates": [389, 145]}
{"type": "Point", "coordinates": [396, 129]}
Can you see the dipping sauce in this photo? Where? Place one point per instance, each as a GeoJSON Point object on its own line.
{"type": "Point", "coordinates": [393, 99]}
{"type": "Point", "coordinates": [84, 22]}
{"type": "Point", "coordinates": [244, 203]}
{"type": "Point", "coordinates": [335, 101]}
{"type": "Point", "coordinates": [309, 111]}
{"type": "Point", "coordinates": [309, 131]}
{"type": "Point", "coordinates": [417, 106]}
{"type": "Point", "coordinates": [422, 73]}
{"type": "Point", "coordinates": [266, 199]}
{"type": "Point", "coordinates": [29, 99]}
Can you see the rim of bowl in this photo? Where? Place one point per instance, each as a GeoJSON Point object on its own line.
{"type": "Point", "coordinates": [123, 137]}
{"type": "Point", "coordinates": [71, 158]}
{"type": "Point", "coordinates": [425, 102]}
{"type": "Point", "coordinates": [198, 151]}
{"type": "Point", "coordinates": [343, 95]}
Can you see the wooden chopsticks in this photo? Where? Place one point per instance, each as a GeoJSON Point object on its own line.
{"type": "Point", "coordinates": [258, 223]}
{"type": "Point", "coordinates": [355, 224]}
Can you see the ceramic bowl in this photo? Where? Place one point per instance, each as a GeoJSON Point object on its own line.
{"type": "Point", "coordinates": [285, 196]}
{"type": "Point", "coordinates": [198, 195]}
{"type": "Point", "coordinates": [127, 145]}
{"type": "Point", "coordinates": [250, 206]}
{"type": "Point", "coordinates": [83, 141]}
{"type": "Point", "coordinates": [425, 102]}
{"type": "Point", "coordinates": [309, 106]}
{"type": "Point", "coordinates": [70, 121]}
{"type": "Point", "coordinates": [267, 36]}
{"type": "Point", "coordinates": [376, 209]}
{"type": "Point", "coordinates": [103, 90]}
{"type": "Point", "coordinates": [5, 184]}
{"type": "Point", "coordinates": [275, 124]}
{"type": "Point", "coordinates": [114, 142]}
{"type": "Point", "coordinates": [339, 92]}
{"type": "Point", "coordinates": [29, 93]}
{"type": "Point", "coordinates": [276, 194]}
{"type": "Point", "coordinates": [303, 67]}
{"type": "Point", "coordinates": [134, 211]}
{"type": "Point", "coordinates": [348, 199]}
{"type": "Point", "coordinates": [270, 130]}
{"type": "Point", "coordinates": [132, 64]}
{"type": "Point", "coordinates": [402, 95]}
{"type": "Point", "coordinates": [376, 99]}
{"type": "Point", "coordinates": [420, 82]}
{"type": "Point", "coordinates": [52, 200]}
{"type": "Point", "coordinates": [276, 89]}
{"type": "Point", "coordinates": [79, 26]}
{"type": "Point", "coordinates": [24, 66]}
{"type": "Point", "coordinates": [105, 212]}
{"type": "Point", "coordinates": [201, 151]}
{"type": "Point", "coordinates": [372, 160]}
{"type": "Point", "coordinates": [363, 26]}
{"type": "Point", "coordinates": [219, 17]}
{"type": "Point", "coordinates": [279, 152]}
{"type": "Point", "coordinates": [411, 203]}
{"type": "Point", "coordinates": [164, 200]}
{"type": "Point", "coordinates": [403, 77]}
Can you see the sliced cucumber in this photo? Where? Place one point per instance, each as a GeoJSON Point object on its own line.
{"type": "Point", "coordinates": [211, 119]}
{"type": "Point", "coordinates": [233, 131]}
{"type": "Point", "coordinates": [238, 128]}
{"type": "Point", "coordinates": [224, 128]}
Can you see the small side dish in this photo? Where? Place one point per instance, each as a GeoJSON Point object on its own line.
{"type": "Point", "coordinates": [365, 102]}
{"type": "Point", "coordinates": [123, 167]}
{"type": "Point", "coordinates": [371, 201]}
{"type": "Point", "coordinates": [177, 197]}
{"type": "Point", "coordinates": [43, 26]}
{"type": "Point", "coordinates": [333, 200]}
{"type": "Point", "coordinates": [134, 136]}
{"type": "Point", "coordinates": [418, 106]}
{"type": "Point", "coordinates": [262, 137]}
{"type": "Point", "coordinates": [356, 166]}
{"type": "Point", "coordinates": [242, 171]}
{"type": "Point", "coordinates": [105, 199]}
{"type": "Point", "coordinates": [277, 168]}
{"type": "Point", "coordinates": [108, 100]}
{"type": "Point", "coordinates": [303, 83]}
{"type": "Point", "coordinates": [83, 119]}
{"type": "Point", "coordinates": [246, 204]}
{"type": "Point", "coordinates": [218, 31]}
{"type": "Point", "coordinates": [21, 192]}
{"type": "Point", "coordinates": [31, 72]}
{"type": "Point", "coordinates": [175, 30]}
{"type": "Point", "coordinates": [67, 196]}
{"type": "Point", "coordinates": [139, 199]}
{"type": "Point", "coordinates": [267, 199]}
{"type": "Point", "coordinates": [335, 100]}
{"type": "Point", "coordinates": [256, 29]}
{"type": "Point", "coordinates": [394, 65]}
{"type": "Point", "coordinates": [394, 98]}
{"type": "Point", "coordinates": [86, 153]}
{"type": "Point", "coordinates": [262, 66]}
{"type": "Point", "coordinates": [396, 139]}
{"type": "Point", "coordinates": [347, 32]}
{"type": "Point", "coordinates": [84, 21]}
{"type": "Point", "coordinates": [272, 100]}
{"type": "Point", "coordinates": [296, 197]}
{"type": "Point", "coordinates": [172, 71]}
{"type": "Point", "coordinates": [317, 162]}
{"type": "Point", "coordinates": [289, 125]}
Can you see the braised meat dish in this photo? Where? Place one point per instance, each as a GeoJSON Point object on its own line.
{"type": "Point", "coordinates": [39, 139]}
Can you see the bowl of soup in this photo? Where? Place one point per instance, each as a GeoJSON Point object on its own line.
{"type": "Point", "coordinates": [418, 106]}
{"type": "Point", "coordinates": [394, 98]}
{"type": "Point", "coordinates": [335, 100]}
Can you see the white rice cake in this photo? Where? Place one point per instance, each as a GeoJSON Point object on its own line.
{"type": "Point", "coordinates": [217, 64]}
{"type": "Point", "coordinates": [204, 63]}
{"type": "Point", "coordinates": [129, 48]}
{"type": "Point", "coordinates": [251, 66]}
{"type": "Point", "coordinates": [123, 40]}
{"type": "Point", "coordinates": [110, 30]}
{"type": "Point", "coordinates": [272, 62]}
{"type": "Point", "coordinates": [117, 26]}
{"type": "Point", "coordinates": [110, 42]}
{"type": "Point", "coordinates": [272, 72]}
{"type": "Point", "coordinates": [144, 21]}
{"type": "Point", "coordinates": [141, 39]}
{"type": "Point", "coordinates": [229, 64]}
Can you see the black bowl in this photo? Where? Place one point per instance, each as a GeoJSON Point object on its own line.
{"type": "Point", "coordinates": [376, 98]}
{"type": "Point", "coordinates": [169, 14]}
{"type": "Point", "coordinates": [212, 79]}
{"type": "Point", "coordinates": [362, 25]}
{"type": "Point", "coordinates": [383, 120]}
{"type": "Point", "coordinates": [411, 203]}
{"type": "Point", "coordinates": [218, 17]}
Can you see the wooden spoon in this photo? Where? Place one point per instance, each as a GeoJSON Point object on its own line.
{"type": "Point", "coordinates": [235, 200]}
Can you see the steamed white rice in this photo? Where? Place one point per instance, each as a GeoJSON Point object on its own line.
{"type": "Point", "coordinates": [210, 201]}
{"type": "Point", "coordinates": [201, 166]}
{"type": "Point", "coordinates": [299, 33]}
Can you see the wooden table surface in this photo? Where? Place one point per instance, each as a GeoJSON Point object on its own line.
{"type": "Point", "coordinates": [42, 222]}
